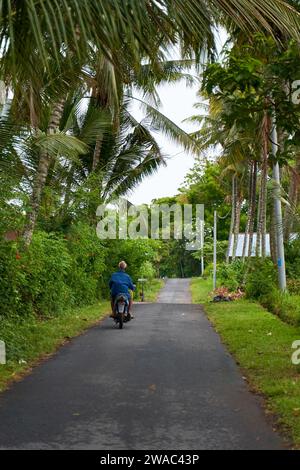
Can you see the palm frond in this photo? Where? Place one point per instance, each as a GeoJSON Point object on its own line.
{"type": "Point", "coordinates": [165, 125]}
{"type": "Point", "coordinates": [59, 144]}
{"type": "Point", "coordinates": [252, 15]}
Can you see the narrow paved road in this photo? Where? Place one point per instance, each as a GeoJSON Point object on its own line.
{"type": "Point", "coordinates": [164, 382]}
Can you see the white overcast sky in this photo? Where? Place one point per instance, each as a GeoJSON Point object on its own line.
{"type": "Point", "coordinates": [177, 104]}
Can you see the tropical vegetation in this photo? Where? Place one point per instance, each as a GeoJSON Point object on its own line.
{"type": "Point", "coordinates": [70, 72]}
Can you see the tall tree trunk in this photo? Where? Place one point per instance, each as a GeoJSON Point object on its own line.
{"type": "Point", "coordinates": [262, 213]}
{"type": "Point", "coordinates": [263, 207]}
{"type": "Point", "coordinates": [258, 225]}
{"type": "Point", "coordinates": [246, 237]}
{"type": "Point", "coordinates": [261, 222]}
{"type": "Point", "coordinates": [294, 193]}
{"type": "Point", "coordinates": [230, 238]}
{"type": "Point", "coordinates": [67, 193]}
{"type": "Point", "coordinates": [41, 175]}
{"type": "Point", "coordinates": [265, 148]}
{"type": "Point", "coordinates": [273, 238]}
{"type": "Point", "coordinates": [237, 218]}
{"type": "Point", "coordinates": [97, 152]}
{"type": "Point", "coordinates": [253, 208]}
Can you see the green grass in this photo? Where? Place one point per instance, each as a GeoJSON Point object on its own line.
{"type": "Point", "coordinates": [29, 339]}
{"type": "Point", "coordinates": [201, 289]}
{"type": "Point", "coordinates": [261, 344]}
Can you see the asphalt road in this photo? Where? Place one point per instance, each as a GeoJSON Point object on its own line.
{"type": "Point", "coordinates": [163, 382]}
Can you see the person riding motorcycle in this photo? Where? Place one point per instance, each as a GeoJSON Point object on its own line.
{"type": "Point", "coordinates": [121, 283]}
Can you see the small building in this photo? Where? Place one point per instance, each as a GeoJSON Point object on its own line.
{"type": "Point", "coordinates": [240, 244]}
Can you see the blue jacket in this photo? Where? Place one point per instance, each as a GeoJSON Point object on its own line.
{"type": "Point", "coordinates": [120, 283]}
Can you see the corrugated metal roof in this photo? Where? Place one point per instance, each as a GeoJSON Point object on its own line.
{"type": "Point", "coordinates": [239, 251]}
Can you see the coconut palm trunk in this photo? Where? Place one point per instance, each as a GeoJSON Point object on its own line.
{"type": "Point", "coordinates": [246, 237]}
{"type": "Point", "coordinates": [97, 152]}
{"type": "Point", "coordinates": [253, 208]}
{"type": "Point", "coordinates": [262, 213]}
{"type": "Point", "coordinates": [41, 176]}
{"type": "Point", "coordinates": [293, 198]}
{"type": "Point", "coordinates": [273, 240]}
{"type": "Point", "coordinates": [259, 220]}
{"type": "Point", "coordinates": [237, 220]}
{"type": "Point", "coordinates": [263, 208]}
{"type": "Point", "coordinates": [68, 189]}
{"type": "Point", "coordinates": [233, 203]}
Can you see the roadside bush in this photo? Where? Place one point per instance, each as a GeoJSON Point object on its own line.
{"type": "Point", "coordinates": [147, 270]}
{"type": "Point", "coordinates": [289, 308]}
{"type": "Point", "coordinates": [208, 250]}
{"type": "Point", "coordinates": [292, 259]}
{"type": "Point", "coordinates": [260, 278]}
{"type": "Point", "coordinates": [58, 272]}
{"type": "Point", "coordinates": [293, 286]}
{"type": "Point", "coordinates": [87, 274]}
{"type": "Point", "coordinates": [227, 276]}
{"type": "Point", "coordinates": [12, 277]}
{"type": "Point", "coordinates": [208, 271]}
{"type": "Point", "coordinates": [54, 274]}
{"type": "Point", "coordinates": [231, 275]}
{"type": "Point", "coordinates": [135, 252]}
{"type": "Point", "coordinates": [46, 266]}
{"type": "Point", "coordinates": [284, 305]}
{"type": "Point", "coordinates": [34, 281]}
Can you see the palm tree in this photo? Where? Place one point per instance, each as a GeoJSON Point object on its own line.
{"type": "Point", "coordinates": [45, 42]}
{"type": "Point", "coordinates": [248, 240]}
{"type": "Point", "coordinates": [128, 153]}
{"type": "Point", "coordinates": [224, 129]}
{"type": "Point", "coordinates": [50, 28]}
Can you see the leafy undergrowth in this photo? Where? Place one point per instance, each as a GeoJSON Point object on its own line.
{"type": "Point", "coordinates": [30, 339]}
{"type": "Point", "coordinates": [262, 346]}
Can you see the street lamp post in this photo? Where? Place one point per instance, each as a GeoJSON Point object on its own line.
{"type": "Point", "coordinates": [215, 252]}
{"type": "Point", "coordinates": [202, 247]}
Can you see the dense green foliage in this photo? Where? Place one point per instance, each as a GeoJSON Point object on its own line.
{"type": "Point", "coordinates": [59, 272]}
{"type": "Point", "coordinates": [69, 141]}
{"type": "Point", "coordinates": [205, 184]}
{"type": "Point", "coordinates": [69, 74]}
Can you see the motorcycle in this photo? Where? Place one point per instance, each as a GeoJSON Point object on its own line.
{"type": "Point", "coordinates": [121, 313]}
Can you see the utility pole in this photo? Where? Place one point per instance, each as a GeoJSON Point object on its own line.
{"type": "Point", "coordinates": [278, 209]}
{"type": "Point", "coordinates": [215, 252]}
{"type": "Point", "coordinates": [202, 247]}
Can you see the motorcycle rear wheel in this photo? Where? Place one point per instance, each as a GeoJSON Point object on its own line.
{"type": "Point", "coordinates": [121, 320]}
